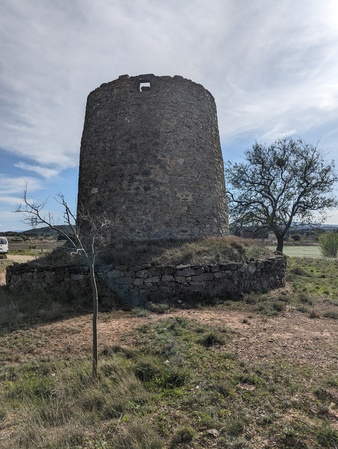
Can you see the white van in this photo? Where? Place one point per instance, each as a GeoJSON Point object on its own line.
{"type": "Point", "coordinates": [3, 245]}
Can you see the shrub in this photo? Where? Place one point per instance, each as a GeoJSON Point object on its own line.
{"type": "Point", "coordinates": [327, 437]}
{"type": "Point", "coordinates": [313, 314]}
{"type": "Point", "coordinates": [184, 435]}
{"type": "Point", "coordinates": [235, 427]}
{"type": "Point", "coordinates": [279, 306]}
{"type": "Point", "coordinates": [138, 311]}
{"type": "Point", "coordinates": [303, 298]}
{"type": "Point", "coordinates": [211, 339]}
{"type": "Point", "coordinates": [331, 314]}
{"type": "Point", "coordinates": [158, 307]}
{"type": "Point", "coordinates": [329, 244]}
{"type": "Point", "coordinates": [299, 271]}
{"type": "Point", "coordinates": [137, 435]}
{"type": "Point", "coordinates": [296, 237]}
{"type": "Point", "coordinates": [148, 368]}
{"type": "Point", "coordinates": [292, 439]}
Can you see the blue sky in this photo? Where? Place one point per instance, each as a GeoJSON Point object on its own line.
{"type": "Point", "coordinates": [271, 66]}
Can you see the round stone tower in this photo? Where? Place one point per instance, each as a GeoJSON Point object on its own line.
{"type": "Point", "coordinates": [151, 160]}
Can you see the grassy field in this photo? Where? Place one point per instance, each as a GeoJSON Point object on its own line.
{"type": "Point", "coordinates": [256, 374]}
{"type": "Point", "coordinates": [301, 251]}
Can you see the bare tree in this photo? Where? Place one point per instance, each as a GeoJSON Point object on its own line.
{"type": "Point", "coordinates": [86, 247]}
{"type": "Point", "coordinates": [287, 182]}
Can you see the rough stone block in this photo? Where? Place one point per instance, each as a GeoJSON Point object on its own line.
{"type": "Point", "coordinates": [167, 278]}
{"type": "Point", "coordinates": [252, 268]}
{"type": "Point", "coordinates": [138, 281]}
{"type": "Point", "coordinates": [203, 277]}
{"type": "Point", "coordinates": [152, 279]}
{"type": "Point", "coordinates": [77, 277]}
{"type": "Point", "coordinates": [188, 272]}
{"type": "Point", "coordinates": [229, 266]}
{"type": "Point", "coordinates": [124, 280]}
{"type": "Point", "coordinates": [114, 274]}
{"type": "Point", "coordinates": [181, 279]}
{"type": "Point", "coordinates": [142, 273]}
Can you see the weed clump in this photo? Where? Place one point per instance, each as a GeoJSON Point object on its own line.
{"type": "Point", "coordinates": [137, 434]}
{"type": "Point", "coordinates": [148, 368]}
{"type": "Point", "coordinates": [212, 339]}
{"type": "Point", "coordinates": [158, 307]}
{"type": "Point", "coordinates": [299, 271]}
{"type": "Point", "coordinates": [327, 437]}
{"type": "Point", "coordinates": [270, 307]}
{"type": "Point", "coordinates": [305, 299]}
{"type": "Point", "coordinates": [182, 436]}
{"type": "Point", "coordinates": [331, 314]}
{"type": "Point", "coordinates": [314, 314]}
{"type": "Point", "coordinates": [140, 312]}
{"type": "Point", "coordinates": [292, 439]}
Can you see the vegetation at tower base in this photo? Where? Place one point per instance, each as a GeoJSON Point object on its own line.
{"type": "Point", "coordinates": [278, 185]}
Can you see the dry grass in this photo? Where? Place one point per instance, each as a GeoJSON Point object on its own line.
{"type": "Point", "coordinates": [175, 383]}
{"type": "Point", "coordinates": [198, 252]}
{"type": "Point", "coordinates": [268, 382]}
{"type": "Point", "coordinates": [211, 250]}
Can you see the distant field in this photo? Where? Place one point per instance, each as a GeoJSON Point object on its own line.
{"type": "Point", "coordinates": [301, 251]}
{"type": "Point", "coordinates": [36, 245]}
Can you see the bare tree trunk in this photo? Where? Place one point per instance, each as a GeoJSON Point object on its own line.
{"type": "Point", "coordinates": [95, 316]}
{"type": "Point", "coordinates": [280, 242]}
{"type": "Point", "coordinates": [34, 213]}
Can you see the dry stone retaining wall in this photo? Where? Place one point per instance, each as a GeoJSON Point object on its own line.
{"type": "Point", "coordinates": [165, 284]}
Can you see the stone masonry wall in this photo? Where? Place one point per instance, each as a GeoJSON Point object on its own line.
{"type": "Point", "coordinates": [136, 286]}
{"type": "Point", "coordinates": [151, 160]}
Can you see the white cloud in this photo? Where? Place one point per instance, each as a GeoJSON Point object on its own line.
{"type": "Point", "coordinates": [12, 185]}
{"type": "Point", "coordinates": [9, 200]}
{"type": "Point", "coordinates": [11, 189]}
{"type": "Point", "coordinates": [250, 55]}
{"type": "Point", "coordinates": [10, 221]}
{"type": "Point", "coordinates": [42, 171]}
{"type": "Point", "coordinates": [271, 66]}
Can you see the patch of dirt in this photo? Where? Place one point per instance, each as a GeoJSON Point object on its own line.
{"type": "Point", "coordinates": [291, 336]}
{"type": "Point", "coordinates": [19, 258]}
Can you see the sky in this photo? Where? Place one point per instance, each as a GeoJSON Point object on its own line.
{"type": "Point", "coordinates": [271, 66]}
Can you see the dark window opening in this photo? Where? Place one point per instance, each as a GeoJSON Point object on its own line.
{"type": "Point", "coordinates": [144, 85]}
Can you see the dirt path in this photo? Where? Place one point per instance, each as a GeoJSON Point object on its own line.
{"type": "Point", "coordinates": [20, 259]}
{"type": "Point", "coordinates": [292, 335]}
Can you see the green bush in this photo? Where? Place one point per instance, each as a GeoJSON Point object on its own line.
{"type": "Point", "coordinates": [329, 244]}
{"type": "Point", "coordinates": [296, 237]}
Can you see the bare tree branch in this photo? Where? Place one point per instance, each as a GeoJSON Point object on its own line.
{"type": "Point", "coordinates": [33, 212]}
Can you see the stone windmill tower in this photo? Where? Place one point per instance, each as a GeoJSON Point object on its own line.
{"type": "Point", "coordinates": [151, 160]}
